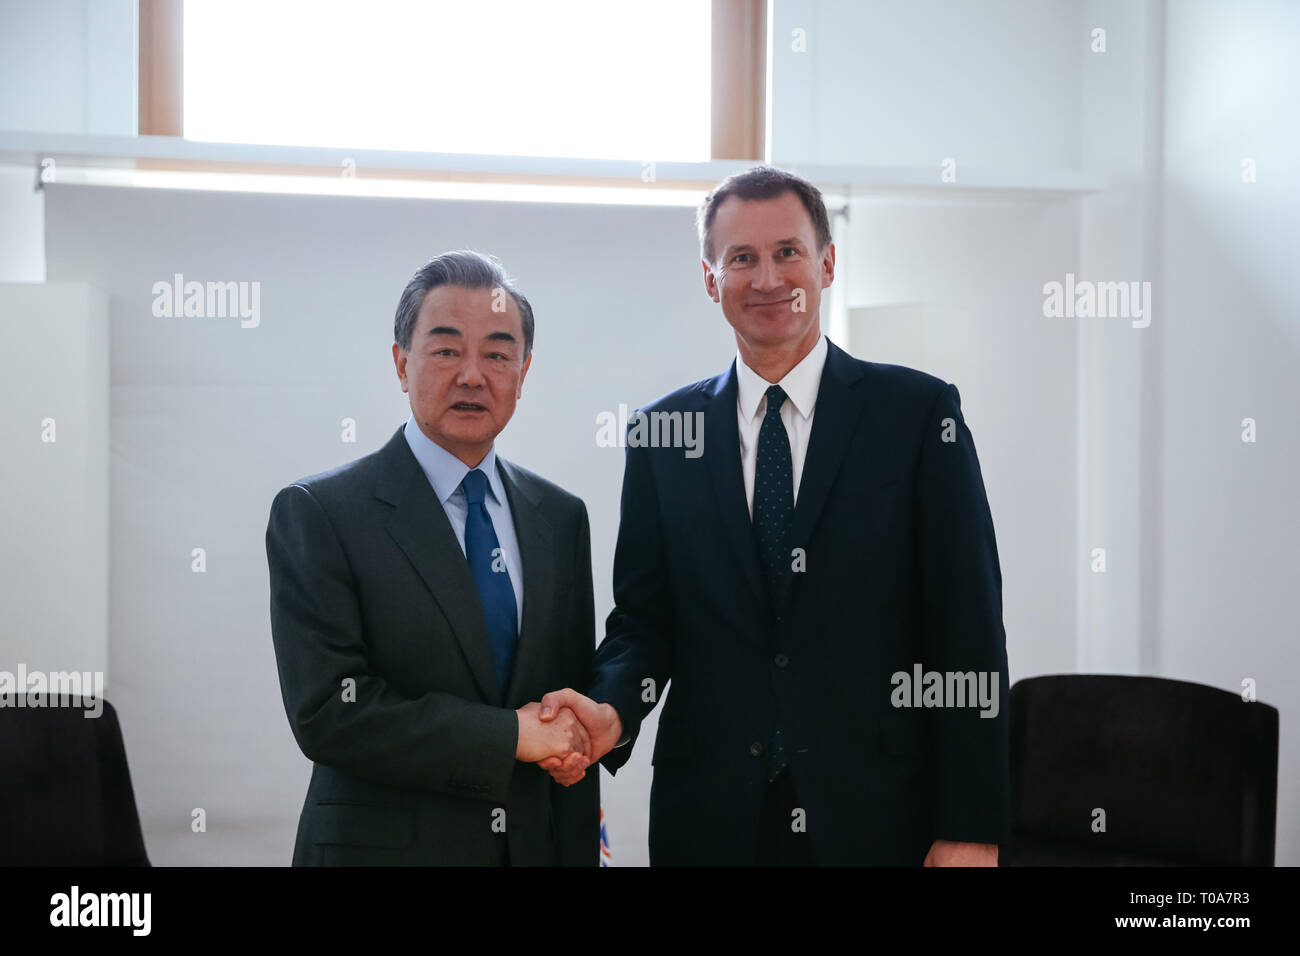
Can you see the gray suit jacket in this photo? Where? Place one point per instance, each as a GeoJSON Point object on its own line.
{"type": "Point", "coordinates": [386, 669]}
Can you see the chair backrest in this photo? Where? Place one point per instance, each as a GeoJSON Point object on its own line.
{"type": "Point", "coordinates": [67, 798]}
{"type": "Point", "coordinates": [1185, 774]}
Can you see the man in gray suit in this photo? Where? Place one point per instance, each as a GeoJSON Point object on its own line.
{"type": "Point", "coordinates": [422, 595]}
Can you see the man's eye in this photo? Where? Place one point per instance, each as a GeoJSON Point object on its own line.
{"type": "Point", "coordinates": [743, 255]}
{"type": "Point", "coordinates": [790, 249]}
{"type": "Point", "coordinates": [443, 352]}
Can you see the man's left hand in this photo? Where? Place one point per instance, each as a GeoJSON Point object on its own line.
{"type": "Point", "coordinates": [601, 722]}
{"type": "Point", "coordinates": [949, 853]}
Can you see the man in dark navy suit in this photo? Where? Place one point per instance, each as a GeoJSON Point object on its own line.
{"type": "Point", "coordinates": [830, 551]}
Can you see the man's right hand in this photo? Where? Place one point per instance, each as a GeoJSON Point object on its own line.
{"type": "Point", "coordinates": [561, 736]}
{"type": "Point", "coordinates": [603, 726]}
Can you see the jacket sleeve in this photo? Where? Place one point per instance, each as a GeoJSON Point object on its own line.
{"type": "Point", "coordinates": [577, 808]}
{"type": "Point", "coordinates": [961, 592]}
{"type": "Point", "coordinates": [639, 631]}
{"type": "Point", "coordinates": [344, 715]}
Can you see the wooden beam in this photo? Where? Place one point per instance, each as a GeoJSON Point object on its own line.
{"type": "Point", "coordinates": [162, 78]}
{"type": "Point", "coordinates": [739, 75]}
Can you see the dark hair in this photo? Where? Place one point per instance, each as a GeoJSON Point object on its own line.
{"type": "Point", "coordinates": [465, 268]}
{"type": "Point", "coordinates": [762, 182]}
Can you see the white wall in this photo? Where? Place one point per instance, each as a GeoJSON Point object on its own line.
{"type": "Point", "coordinates": [1118, 241]}
{"type": "Point", "coordinates": [66, 66]}
{"type": "Point", "coordinates": [953, 288]}
{"type": "Point", "coordinates": [54, 559]}
{"type": "Point", "coordinates": [22, 225]}
{"type": "Point", "coordinates": [910, 82]}
{"type": "Point", "coordinates": [1230, 349]}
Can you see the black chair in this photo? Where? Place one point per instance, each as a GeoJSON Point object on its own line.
{"type": "Point", "coordinates": [1186, 774]}
{"type": "Point", "coordinates": [66, 799]}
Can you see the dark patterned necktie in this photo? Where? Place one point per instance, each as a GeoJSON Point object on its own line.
{"type": "Point", "coordinates": [773, 498]}
{"type": "Point", "coordinates": [497, 594]}
{"type": "Point", "coordinates": [773, 515]}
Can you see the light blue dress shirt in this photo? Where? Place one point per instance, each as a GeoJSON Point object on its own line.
{"type": "Point", "coordinates": [445, 473]}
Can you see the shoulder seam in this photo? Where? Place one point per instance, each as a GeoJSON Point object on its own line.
{"type": "Point", "coordinates": [329, 522]}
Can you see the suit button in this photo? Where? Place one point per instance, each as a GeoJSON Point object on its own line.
{"type": "Point", "coordinates": [781, 660]}
{"type": "Point", "coordinates": [755, 749]}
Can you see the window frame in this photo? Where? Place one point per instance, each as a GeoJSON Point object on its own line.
{"type": "Point", "coordinates": [738, 76]}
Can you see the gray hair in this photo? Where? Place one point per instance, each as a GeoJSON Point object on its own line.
{"type": "Point", "coordinates": [465, 268]}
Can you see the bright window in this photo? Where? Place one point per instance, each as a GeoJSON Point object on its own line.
{"type": "Point", "coordinates": [584, 78]}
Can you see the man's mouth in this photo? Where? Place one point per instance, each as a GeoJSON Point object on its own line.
{"type": "Point", "coordinates": [768, 305]}
{"type": "Point", "coordinates": [468, 407]}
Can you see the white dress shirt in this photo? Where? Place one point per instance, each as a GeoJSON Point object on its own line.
{"type": "Point", "coordinates": [800, 385]}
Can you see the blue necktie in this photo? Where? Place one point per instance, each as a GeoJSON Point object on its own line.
{"type": "Point", "coordinates": [773, 516]}
{"type": "Point", "coordinates": [488, 564]}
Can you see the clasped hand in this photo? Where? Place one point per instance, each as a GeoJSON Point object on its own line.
{"type": "Point", "coordinates": [565, 733]}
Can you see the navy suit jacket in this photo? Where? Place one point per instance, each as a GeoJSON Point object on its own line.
{"type": "Point", "coordinates": [900, 569]}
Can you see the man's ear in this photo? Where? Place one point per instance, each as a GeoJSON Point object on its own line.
{"type": "Point", "coordinates": [710, 280]}
{"type": "Point", "coordinates": [399, 361]}
{"type": "Point", "coordinates": [828, 265]}
{"type": "Point", "coordinates": [523, 371]}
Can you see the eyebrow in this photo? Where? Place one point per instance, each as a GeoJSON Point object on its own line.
{"type": "Point", "coordinates": [452, 330]}
{"type": "Point", "coordinates": [746, 247]}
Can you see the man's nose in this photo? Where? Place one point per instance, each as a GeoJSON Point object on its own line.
{"type": "Point", "coordinates": [470, 373]}
{"type": "Point", "coordinates": [767, 277]}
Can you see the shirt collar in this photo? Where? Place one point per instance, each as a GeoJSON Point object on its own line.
{"type": "Point", "coordinates": [444, 470]}
{"type": "Point", "coordinates": [800, 383]}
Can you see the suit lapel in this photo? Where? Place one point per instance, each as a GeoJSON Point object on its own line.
{"type": "Point", "coordinates": [537, 555]}
{"type": "Point", "coordinates": [420, 527]}
{"type": "Point", "coordinates": [835, 417]}
{"type": "Point", "coordinates": [722, 435]}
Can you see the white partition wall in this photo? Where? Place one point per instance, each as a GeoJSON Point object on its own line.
{"type": "Point", "coordinates": [54, 549]}
{"type": "Point", "coordinates": [955, 289]}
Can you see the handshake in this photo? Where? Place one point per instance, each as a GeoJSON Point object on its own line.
{"type": "Point", "coordinates": [565, 733]}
